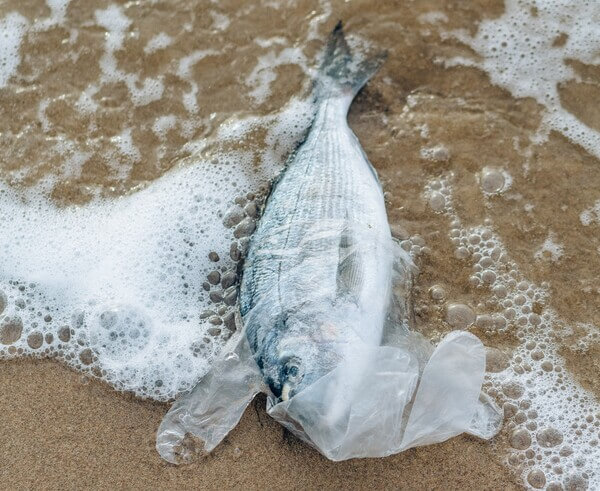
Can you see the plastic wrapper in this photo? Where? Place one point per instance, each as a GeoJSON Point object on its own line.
{"type": "Point", "coordinates": [371, 386]}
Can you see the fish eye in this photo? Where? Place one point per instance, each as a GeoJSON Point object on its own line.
{"type": "Point", "coordinates": [292, 370]}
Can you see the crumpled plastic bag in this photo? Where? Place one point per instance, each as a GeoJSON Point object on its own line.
{"type": "Point", "coordinates": [378, 401]}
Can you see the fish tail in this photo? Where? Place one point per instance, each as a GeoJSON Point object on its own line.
{"type": "Point", "coordinates": [342, 71]}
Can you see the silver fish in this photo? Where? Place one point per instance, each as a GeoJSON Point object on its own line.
{"type": "Point", "coordinates": [318, 269]}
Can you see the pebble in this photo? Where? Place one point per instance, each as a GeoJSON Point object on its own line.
{"type": "Point", "coordinates": [213, 256]}
{"type": "Point", "coordinates": [228, 279]}
{"type": "Point", "coordinates": [244, 228]}
{"type": "Point", "coordinates": [207, 313]}
{"type": "Point", "coordinates": [214, 277]}
{"type": "Point", "coordinates": [216, 297]}
{"type": "Point", "coordinates": [234, 252]}
{"type": "Point", "coordinates": [229, 321]}
{"type": "Point", "coordinates": [251, 209]}
{"type": "Point", "coordinates": [233, 216]}
{"type": "Point", "coordinates": [230, 296]}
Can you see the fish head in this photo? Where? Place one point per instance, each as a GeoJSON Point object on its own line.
{"type": "Point", "coordinates": [305, 353]}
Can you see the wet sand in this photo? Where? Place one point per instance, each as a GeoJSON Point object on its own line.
{"type": "Point", "coordinates": [60, 431]}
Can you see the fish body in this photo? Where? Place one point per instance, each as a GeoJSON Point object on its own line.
{"type": "Point", "coordinates": [317, 275]}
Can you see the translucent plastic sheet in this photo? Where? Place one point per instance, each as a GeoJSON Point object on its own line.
{"type": "Point", "coordinates": [384, 393]}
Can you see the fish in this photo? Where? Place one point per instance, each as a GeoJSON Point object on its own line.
{"type": "Point", "coordinates": [317, 274]}
{"type": "Point", "coordinates": [325, 312]}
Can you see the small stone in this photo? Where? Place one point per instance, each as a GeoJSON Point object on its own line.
{"type": "Point", "coordinates": [206, 286]}
{"type": "Point", "coordinates": [214, 331]}
{"type": "Point", "coordinates": [49, 338]}
{"type": "Point", "coordinates": [460, 315]}
{"type": "Point", "coordinates": [213, 256]}
{"type": "Point", "coordinates": [228, 279]}
{"type": "Point", "coordinates": [35, 340]}
{"type": "Point", "coordinates": [64, 334]}
{"type": "Point", "coordinates": [234, 252]}
{"type": "Point", "coordinates": [207, 313]}
{"type": "Point", "coordinates": [230, 296]}
{"type": "Point", "coordinates": [399, 232]}
{"type": "Point", "coordinates": [3, 301]}
{"type": "Point", "coordinates": [216, 297]}
{"type": "Point", "coordinates": [233, 216]}
{"type": "Point", "coordinates": [251, 209]}
{"type": "Point", "coordinates": [214, 277]}
{"type": "Point", "coordinates": [11, 329]}
{"type": "Point", "coordinates": [229, 321]}
{"type": "Point", "coordinates": [244, 228]}
{"type": "Point", "coordinates": [215, 320]}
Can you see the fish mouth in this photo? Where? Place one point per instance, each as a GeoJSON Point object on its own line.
{"type": "Point", "coordinates": [285, 391]}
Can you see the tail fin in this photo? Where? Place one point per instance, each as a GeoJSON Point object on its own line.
{"type": "Point", "coordinates": [340, 69]}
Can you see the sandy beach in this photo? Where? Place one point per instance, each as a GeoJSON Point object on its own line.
{"type": "Point", "coordinates": [62, 432]}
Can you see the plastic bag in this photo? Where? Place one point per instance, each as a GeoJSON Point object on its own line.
{"type": "Point", "coordinates": [378, 394]}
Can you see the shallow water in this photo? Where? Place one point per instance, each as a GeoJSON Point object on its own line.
{"type": "Point", "coordinates": [136, 136]}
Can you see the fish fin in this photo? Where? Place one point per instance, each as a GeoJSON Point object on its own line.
{"type": "Point", "coordinates": [350, 269]}
{"type": "Point", "coordinates": [341, 69]}
{"type": "Point", "coordinates": [198, 421]}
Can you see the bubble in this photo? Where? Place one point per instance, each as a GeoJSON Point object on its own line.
{"type": "Point", "coordinates": [575, 482]}
{"type": "Point", "coordinates": [495, 360]}
{"type": "Point", "coordinates": [520, 439]}
{"type": "Point", "coordinates": [120, 333]}
{"type": "Point", "coordinates": [437, 293]}
{"type": "Point", "coordinates": [11, 329]}
{"type": "Point", "coordinates": [459, 315]}
{"type": "Point", "coordinates": [537, 479]}
{"type": "Point", "coordinates": [513, 390]}
{"type": "Point", "coordinates": [549, 437]}
{"type": "Point", "coordinates": [35, 340]}
{"type": "Point", "coordinates": [492, 180]}
{"type": "Point", "coordinates": [64, 334]}
{"type": "Point", "coordinates": [437, 202]}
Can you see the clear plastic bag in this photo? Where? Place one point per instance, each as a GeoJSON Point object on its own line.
{"type": "Point", "coordinates": [385, 393]}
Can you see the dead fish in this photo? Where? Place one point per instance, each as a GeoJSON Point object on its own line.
{"type": "Point", "coordinates": [318, 270]}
